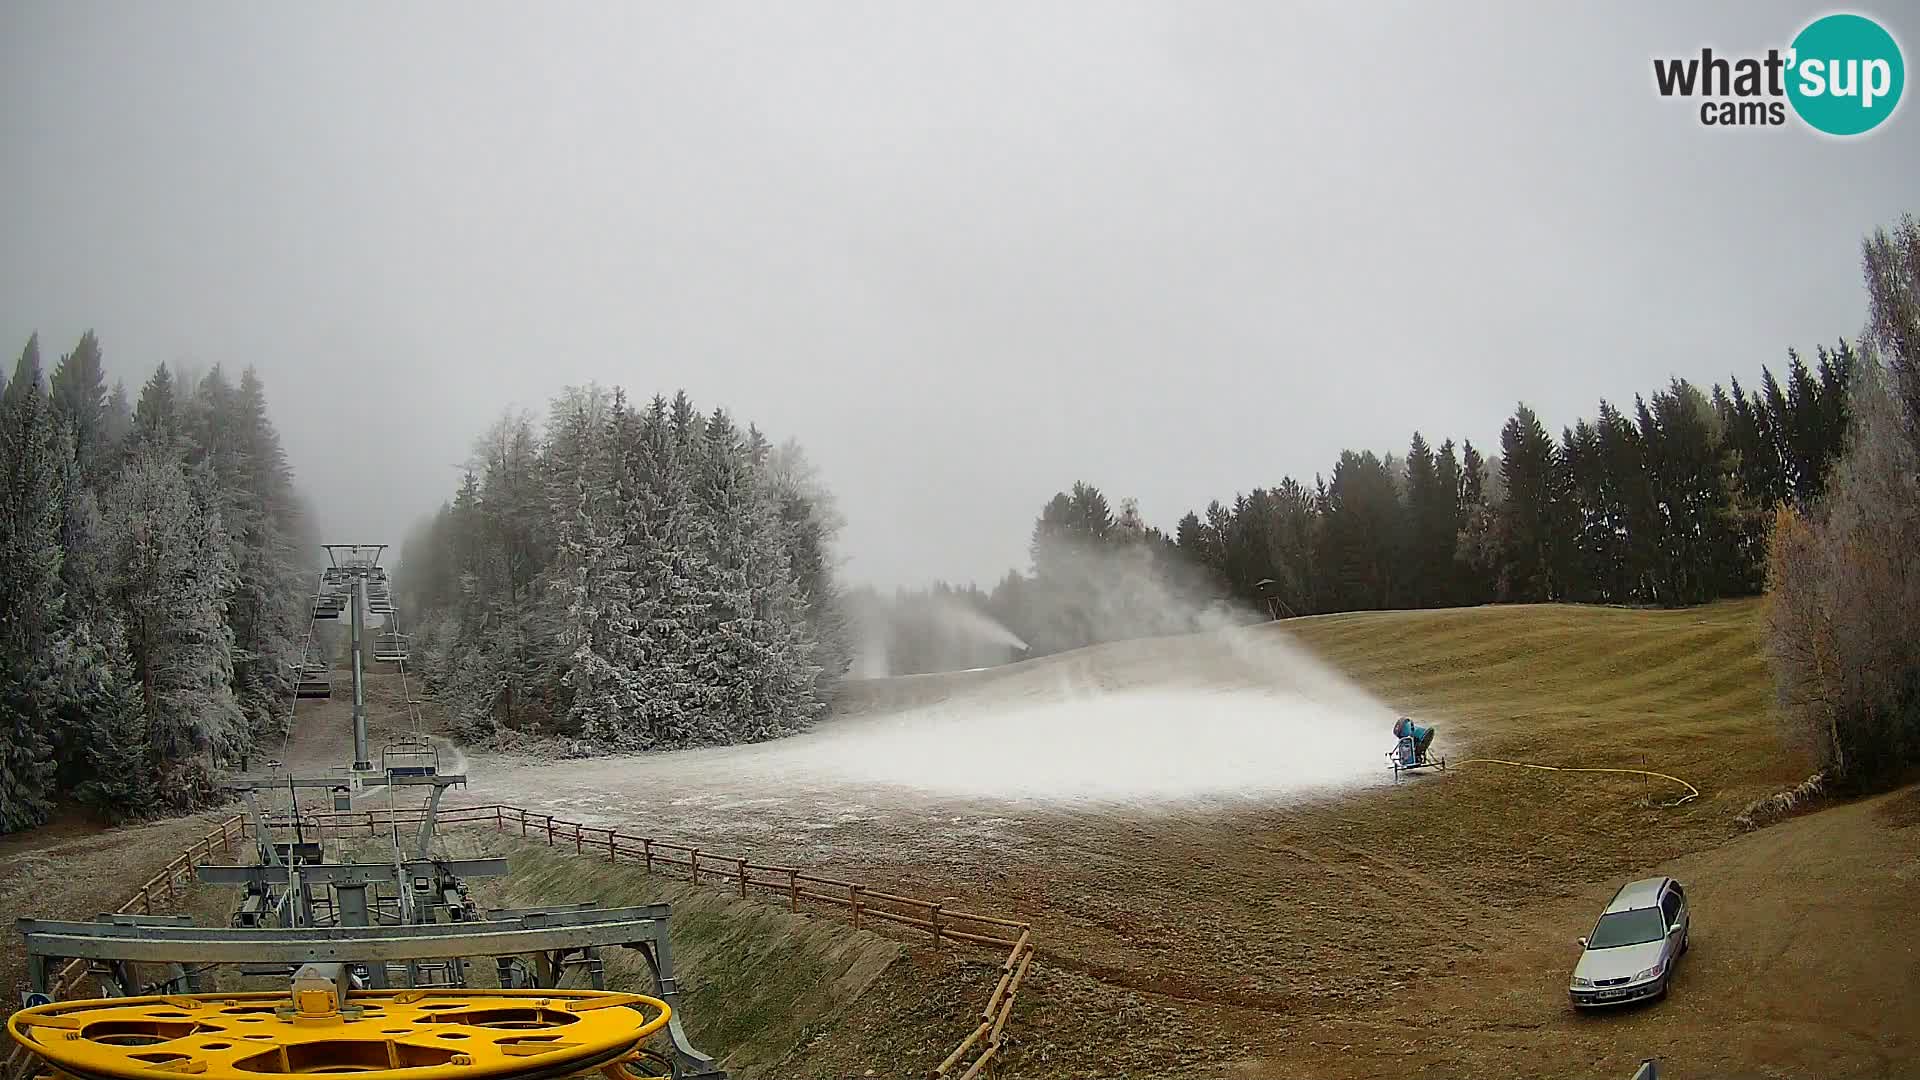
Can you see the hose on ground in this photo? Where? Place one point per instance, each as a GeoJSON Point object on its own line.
{"type": "Point", "coordinates": [1692, 792]}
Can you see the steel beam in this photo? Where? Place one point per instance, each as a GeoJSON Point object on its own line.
{"type": "Point", "coordinates": [419, 941]}
{"type": "Point", "coordinates": [351, 873]}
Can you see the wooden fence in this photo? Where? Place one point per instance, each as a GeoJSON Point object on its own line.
{"type": "Point", "coordinates": [943, 924]}
{"type": "Point", "coordinates": [796, 886]}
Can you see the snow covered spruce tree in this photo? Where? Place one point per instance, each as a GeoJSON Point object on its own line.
{"type": "Point", "coordinates": [147, 597]}
{"type": "Point", "coordinates": [231, 439]}
{"type": "Point", "coordinates": [680, 580]}
{"type": "Point", "coordinates": [174, 575]}
{"type": "Point", "coordinates": [760, 668]}
{"type": "Point", "coordinates": [591, 577]}
{"type": "Point", "coordinates": [32, 449]}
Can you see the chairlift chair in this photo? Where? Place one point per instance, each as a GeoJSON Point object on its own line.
{"type": "Point", "coordinates": [313, 684]}
{"type": "Point", "coordinates": [410, 756]}
{"type": "Point", "coordinates": [390, 648]}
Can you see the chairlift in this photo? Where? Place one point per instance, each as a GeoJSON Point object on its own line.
{"type": "Point", "coordinates": [410, 756]}
{"type": "Point", "coordinates": [325, 609]}
{"type": "Point", "coordinates": [390, 648]}
{"type": "Point", "coordinates": [314, 685]}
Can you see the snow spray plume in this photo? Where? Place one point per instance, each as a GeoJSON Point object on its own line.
{"type": "Point", "coordinates": [913, 633]}
{"type": "Point", "coordinates": [1088, 593]}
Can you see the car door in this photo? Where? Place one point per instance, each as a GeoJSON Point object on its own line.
{"type": "Point", "coordinates": [1673, 906]}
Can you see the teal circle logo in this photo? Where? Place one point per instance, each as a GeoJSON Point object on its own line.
{"type": "Point", "coordinates": [1846, 75]}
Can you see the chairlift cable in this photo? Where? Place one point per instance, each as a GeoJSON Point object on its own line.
{"type": "Point", "coordinates": [293, 700]}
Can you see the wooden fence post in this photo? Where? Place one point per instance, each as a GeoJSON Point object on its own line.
{"type": "Point", "coordinates": [793, 888]}
{"type": "Point", "coordinates": [741, 866]}
{"type": "Point", "coordinates": [613, 853]}
{"type": "Point", "coordinates": [646, 845]}
{"type": "Point", "coordinates": [933, 916]}
{"type": "Point", "coordinates": [499, 819]}
{"type": "Point", "coordinates": [523, 824]}
{"type": "Point", "coordinates": [576, 838]}
{"type": "Point", "coordinates": [693, 863]}
{"type": "Point", "coordinates": [549, 830]}
{"type": "Point", "coordinates": [853, 893]}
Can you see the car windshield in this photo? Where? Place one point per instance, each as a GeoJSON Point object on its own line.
{"type": "Point", "coordinates": [1628, 928]}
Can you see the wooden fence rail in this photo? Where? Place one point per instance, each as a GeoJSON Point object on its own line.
{"type": "Point", "coordinates": [942, 924]}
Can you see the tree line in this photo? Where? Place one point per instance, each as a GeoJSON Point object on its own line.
{"type": "Point", "coordinates": [150, 585]}
{"type": "Point", "coordinates": [1667, 503]}
{"type": "Point", "coordinates": [634, 576]}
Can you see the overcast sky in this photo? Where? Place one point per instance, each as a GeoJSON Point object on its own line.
{"type": "Point", "coordinates": [965, 253]}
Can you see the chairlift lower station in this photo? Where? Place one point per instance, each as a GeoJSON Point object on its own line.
{"type": "Point", "coordinates": [358, 964]}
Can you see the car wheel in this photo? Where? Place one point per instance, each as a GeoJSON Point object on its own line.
{"type": "Point", "coordinates": [1685, 939]}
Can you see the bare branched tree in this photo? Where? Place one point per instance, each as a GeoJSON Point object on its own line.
{"type": "Point", "coordinates": [1843, 584]}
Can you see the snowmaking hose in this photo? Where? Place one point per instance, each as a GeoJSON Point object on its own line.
{"type": "Point", "coordinates": [1692, 792]}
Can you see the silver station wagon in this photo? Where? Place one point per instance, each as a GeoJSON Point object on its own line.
{"type": "Point", "coordinates": [1632, 950]}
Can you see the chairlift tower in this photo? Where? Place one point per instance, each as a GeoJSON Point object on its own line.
{"type": "Point", "coordinates": [357, 564]}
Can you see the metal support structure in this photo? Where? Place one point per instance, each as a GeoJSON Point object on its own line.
{"type": "Point", "coordinates": [352, 874]}
{"type": "Point", "coordinates": [423, 841]}
{"type": "Point", "coordinates": [361, 761]}
{"type": "Point", "coordinates": [546, 934]}
{"type": "Point", "coordinates": [49, 942]}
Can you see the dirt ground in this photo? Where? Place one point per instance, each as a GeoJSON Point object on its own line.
{"type": "Point", "coordinates": [1383, 929]}
{"type": "Point", "coordinates": [75, 869]}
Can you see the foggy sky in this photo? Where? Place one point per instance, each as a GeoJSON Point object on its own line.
{"type": "Point", "coordinates": [966, 253]}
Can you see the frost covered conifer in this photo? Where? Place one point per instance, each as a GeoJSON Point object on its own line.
{"type": "Point", "coordinates": [32, 450]}
{"type": "Point", "coordinates": [174, 574]}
